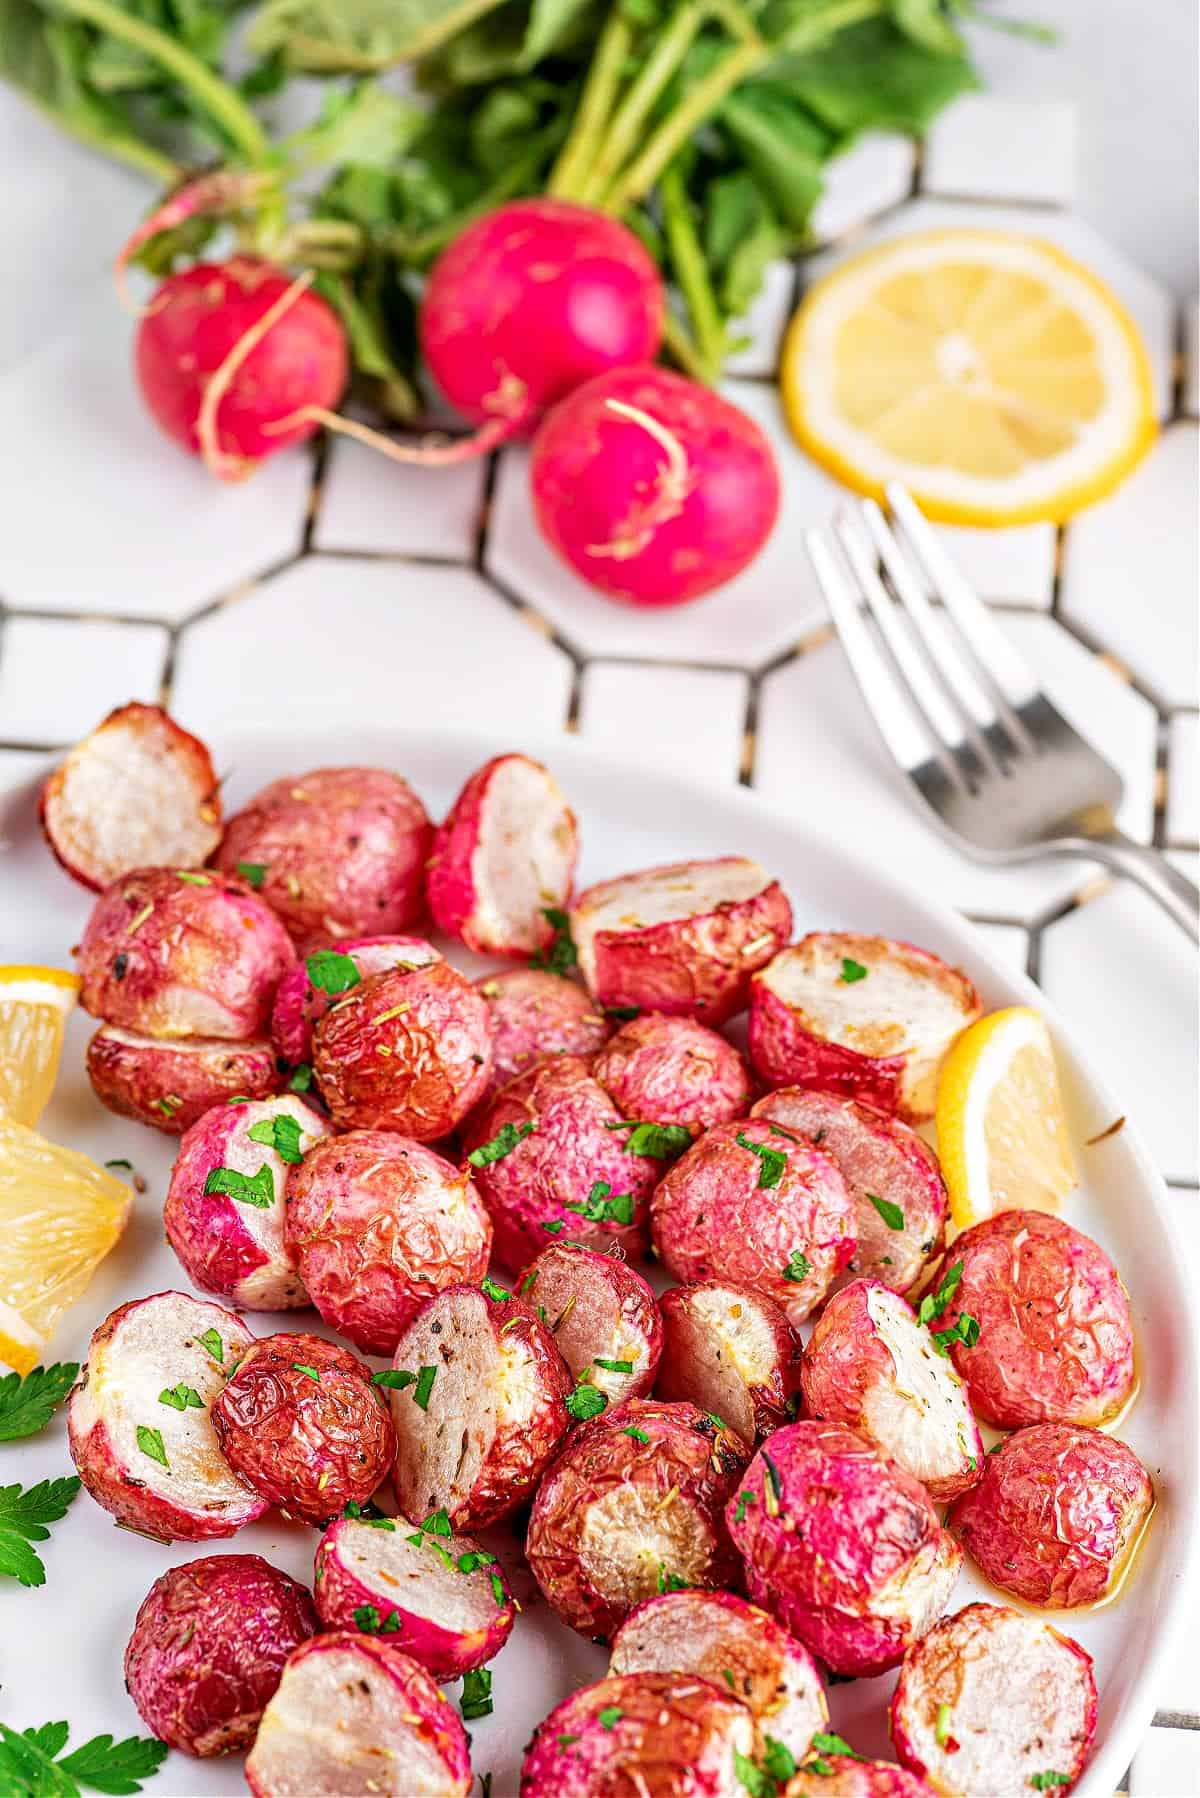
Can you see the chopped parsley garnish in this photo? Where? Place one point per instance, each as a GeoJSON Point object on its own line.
{"type": "Point", "coordinates": [612, 1366]}
{"type": "Point", "coordinates": [503, 1143]}
{"type": "Point", "coordinates": [778, 1758]}
{"type": "Point", "coordinates": [30, 1763]}
{"type": "Point", "coordinates": [772, 1162]}
{"type": "Point", "coordinates": [825, 1743]}
{"type": "Point", "coordinates": [934, 1303]}
{"type": "Point", "coordinates": [891, 1214]}
{"type": "Point", "coordinates": [151, 1444]}
{"type": "Point", "coordinates": [798, 1268]}
{"type": "Point", "coordinates": [658, 1142]}
{"type": "Point", "coordinates": [193, 880]}
{"type": "Point", "coordinates": [499, 1295]}
{"type": "Point", "coordinates": [745, 1500]}
{"type": "Point", "coordinates": [120, 1161]}
{"type": "Point", "coordinates": [331, 972]}
{"type": "Point", "coordinates": [394, 1378]}
{"type": "Point", "coordinates": [254, 873]}
{"type": "Point", "coordinates": [560, 954]}
{"type": "Point", "coordinates": [302, 1078]}
{"type": "Point", "coordinates": [566, 1741]}
{"type": "Point", "coordinates": [964, 1330]}
{"type": "Point", "coordinates": [941, 1728]}
{"type": "Point", "coordinates": [181, 1398]}
{"type": "Point", "coordinates": [718, 1423]}
{"type": "Point", "coordinates": [754, 1779]}
{"type": "Point", "coordinates": [280, 1133]}
{"type": "Point", "coordinates": [772, 1484]}
{"type": "Point", "coordinates": [1044, 1782]}
{"type": "Point", "coordinates": [670, 1582]}
{"type": "Point", "coordinates": [477, 1694]}
{"type": "Point", "coordinates": [530, 1280]}
{"type": "Point", "coordinates": [24, 1515]}
{"type": "Point", "coordinates": [624, 1014]}
{"type": "Point", "coordinates": [467, 1563]}
{"type": "Point", "coordinates": [357, 1514]}
{"type": "Point", "coordinates": [610, 1716]}
{"type": "Point", "coordinates": [309, 1373]}
{"type": "Point", "coordinates": [27, 1404]}
{"type": "Point", "coordinates": [212, 1342]}
{"type": "Point", "coordinates": [424, 1386]}
{"type": "Point", "coordinates": [586, 1401]}
{"type": "Point", "coordinates": [778, 1130]}
{"type": "Point", "coordinates": [727, 1676]}
{"type": "Point", "coordinates": [368, 1621]}
{"type": "Point", "coordinates": [248, 1189]}
{"type": "Point", "coordinates": [599, 1208]}
{"type": "Point", "coordinates": [631, 1429]}
{"type": "Point", "coordinates": [436, 1524]}
{"type": "Point", "coordinates": [972, 1463]}
{"type": "Point", "coordinates": [554, 1226]}
{"type": "Point", "coordinates": [852, 971]}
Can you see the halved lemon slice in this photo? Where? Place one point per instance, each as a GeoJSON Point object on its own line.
{"type": "Point", "coordinates": [34, 1006]}
{"type": "Point", "coordinates": [60, 1215]}
{"type": "Point", "coordinates": [993, 375]}
{"type": "Point", "coordinates": [1002, 1131]}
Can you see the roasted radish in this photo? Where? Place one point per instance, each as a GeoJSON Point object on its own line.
{"type": "Point", "coordinates": [674, 1071]}
{"type": "Point", "coordinates": [730, 1352]}
{"type": "Point", "coordinates": [138, 792]}
{"type": "Point", "coordinates": [601, 1314]}
{"type": "Point", "coordinates": [306, 993]}
{"type": "Point", "coordinates": [170, 1083]}
{"type": "Point", "coordinates": [535, 1014]}
{"type": "Point", "coordinates": [682, 939]}
{"type": "Point", "coordinates": [667, 1734]}
{"type": "Point", "coordinates": [860, 1016]}
{"type": "Point", "coordinates": [139, 1421]}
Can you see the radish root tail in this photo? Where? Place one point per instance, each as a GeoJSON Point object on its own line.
{"type": "Point", "coordinates": [236, 468]}
{"type": "Point", "coordinates": [432, 452]}
{"type": "Point", "coordinates": [221, 190]}
{"type": "Point", "coordinates": [672, 487]}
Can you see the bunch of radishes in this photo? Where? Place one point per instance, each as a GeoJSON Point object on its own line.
{"type": "Point", "coordinates": [542, 319]}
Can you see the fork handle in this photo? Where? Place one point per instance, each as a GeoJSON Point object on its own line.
{"type": "Point", "coordinates": [1149, 868]}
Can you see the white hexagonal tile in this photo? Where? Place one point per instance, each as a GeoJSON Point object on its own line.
{"type": "Point", "coordinates": [693, 717]}
{"type": "Point", "coordinates": [1130, 570]}
{"type": "Point", "coordinates": [1125, 976]}
{"type": "Point", "coordinates": [1183, 778]}
{"type": "Point", "coordinates": [1008, 568]}
{"type": "Point", "coordinates": [1191, 356]}
{"type": "Point", "coordinates": [874, 173]}
{"type": "Point", "coordinates": [59, 676]}
{"type": "Point", "coordinates": [1167, 1765]}
{"type": "Point", "coordinates": [766, 609]}
{"type": "Point", "coordinates": [763, 325]}
{"type": "Point", "coordinates": [343, 641]}
{"type": "Point", "coordinates": [819, 753]}
{"type": "Point", "coordinates": [1149, 304]}
{"type": "Point", "coordinates": [104, 514]}
{"type": "Point", "coordinates": [370, 503]}
{"type": "Point", "coordinates": [984, 147]}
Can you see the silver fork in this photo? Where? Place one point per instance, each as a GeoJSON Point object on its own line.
{"type": "Point", "coordinates": [999, 767]}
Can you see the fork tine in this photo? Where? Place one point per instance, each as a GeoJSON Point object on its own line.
{"type": "Point", "coordinates": [909, 743]}
{"type": "Point", "coordinates": [1007, 671]}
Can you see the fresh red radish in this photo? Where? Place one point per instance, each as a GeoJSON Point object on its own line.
{"type": "Point", "coordinates": [653, 488]}
{"type": "Point", "coordinates": [529, 302]}
{"type": "Point", "coordinates": [236, 360]}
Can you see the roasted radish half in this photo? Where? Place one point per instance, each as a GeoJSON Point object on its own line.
{"type": "Point", "coordinates": [306, 992]}
{"type": "Point", "coordinates": [172, 952]}
{"type": "Point", "coordinates": [861, 1016]}
{"type": "Point", "coordinates": [735, 1645]}
{"type": "Point", "coordinates": [730, 1352]}
{"type": "Point", "coordinates": [826, 1775]}
{"type": "Point", "coordinates": [893, 1176]}
{"type": "Point", "coordinates": [1054, 1342]}
{"type": "Point", "coordinates": [535, 1014]}
{"type": "Point", "coordinates": [870, 1364]}
{"type": "Point", "coordinates": [552, 1155]}
{"type": "Point", "coordinates": [408, 1050]}
{"type": "Point", "coordinates": [479, 1399]}
{"type": "Point", "coordinates": [683, 939]}
{"type": "Point", "coordinates": [440, 1597]}
{"type": "Point", "coordinates": [169, 1084]}
{"type": "Point", "coordinates": [504, 857]}
{"type": "Point", "coordinates": [353, 1714]}
{"type": "Point", "coordinates": [994, 1701]}
{"type": "Point", "coordinates": [138, 792]}
{"type": "Point", "coordinates": [337, 852]}
{"type": "Point", "coordinates": [301, 1420]}
{"type": "Point", "coordinates": [224, 1214]}
{"type": "Point", "coordinates": [602, 1316]}
{"type": "Point", "coordinates": [842, 1546]}
{"type": "Point", "coordinates": [633, 1507]}
{"type": "Point", "coordinates": [674, 1071]}
{"type": "Point", "coordinates": [753, 1205]}
{"type": "Point", "coordinates": [208, 1648]}
{"type": "Point", "coordinates": [377, 1224]}
{"type": "Point", "coordinates": [646, 1733]}
{"type": "Point", "coordinates": [139, 1421]}
{"type": "Point", "coordinates": [1057, 1514]}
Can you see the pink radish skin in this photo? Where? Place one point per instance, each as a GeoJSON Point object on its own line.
{"type": "Point", "coordinates": [194, 324]}
{"type": "Point", "coordinates": [530, 301]}
{"type": "Point", "coordinates": [653, 488]}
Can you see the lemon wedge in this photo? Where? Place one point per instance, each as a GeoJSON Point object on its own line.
{"type": "Point", "coordinates": [34, 1006]}
{"type": "Point", "coordinates": [1002, 1132]}
{"type": "Point", "coordinates": [60, 1215]}
{"type": "Point", "coordinates": [993, 375]}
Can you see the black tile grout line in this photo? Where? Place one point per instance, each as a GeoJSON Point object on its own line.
{"type": "Point", "coordinates": [400, 558]}
{"type": "Point", "coordinates": [9, 747]}
{"type": "Point", "coordinates": [1158, 824]}
{"type": "Point", "coordinates": [167, 672]}
{"type": "Point", "coordinates": [487, 500]}
{"type": "Point", "coordinates": [748, 750]}
{"type": "Point", "coordinates": [1060, 565]}
{"type": "Point", "coordinates": [578, 657]}
{"type": "Point", "coordinates": [237, 591]}
{"type": "Point", "coordinates": [1178, 366]}
{"type": "Point", "coordinates": [1033, 954]}
{"type": "Point", "coordinates": [1094, 647]}
{"type": "Point", "coordinates": [318, 469]}
{"type": "Point", "coordinates": [125, 620]}
{"type": "Point", "coordinates": [679, 664]}
{"type": "Point", "coordinates": [994, 920]}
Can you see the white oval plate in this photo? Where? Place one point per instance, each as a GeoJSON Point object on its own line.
{"type": "Point", "coordinates": [62, 1645]}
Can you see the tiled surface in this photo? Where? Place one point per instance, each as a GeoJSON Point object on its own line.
{"type": "Point", "coordinates": [1130, 570]}
{"type": "Point", "coordinates": [986, 147]}
{"type": "Point", "coordinates": [146, 564]}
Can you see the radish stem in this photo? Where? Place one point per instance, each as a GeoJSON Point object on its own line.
{"type": "Point", "coordinates": [671, 136]}
{"type": "Point", "coordinates": [669, 51]}
{"type": "Point", "coordinates": [691, 271]}
{"type": "Point", "coordinates": [595, 104]}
